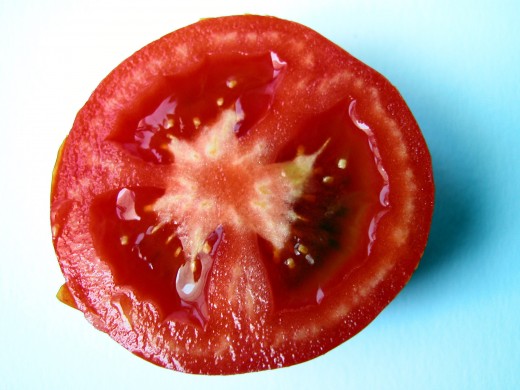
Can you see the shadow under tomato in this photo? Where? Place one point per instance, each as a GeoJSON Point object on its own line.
{"type": "Point", "coordinates": [461, 212]}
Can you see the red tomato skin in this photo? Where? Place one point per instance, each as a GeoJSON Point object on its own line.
{"type": "Point", "coordinates": [310, 86]}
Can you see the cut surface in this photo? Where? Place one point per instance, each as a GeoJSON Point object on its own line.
{"type": "Point", "coordinates": [246, 202]}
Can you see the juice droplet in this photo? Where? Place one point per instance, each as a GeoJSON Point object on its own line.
{"type": "Point", "coordinates": [319, 295]}
{"type": "Point", "coordinates": [192, 278]}
{"type": "Point", "coordinates": [125, 205]}
{"type": "Point", "coordinates": [383, 197]}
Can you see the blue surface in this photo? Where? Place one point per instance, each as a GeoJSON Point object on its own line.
{"type": "Point", "coordinates": [455, 326]}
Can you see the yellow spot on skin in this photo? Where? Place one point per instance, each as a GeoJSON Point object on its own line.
{"type": "Point", "coordinates": [342, 163]}
{"type": "Point", "coordinates": [124, 240]}
{"type": "Point", "coordinates": [290, 263]}
{"type": "Point", "coordinates": [328, 179]}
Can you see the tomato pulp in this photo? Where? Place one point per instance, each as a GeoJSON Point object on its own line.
{"type": "Point", "coordinates": [240, 195]}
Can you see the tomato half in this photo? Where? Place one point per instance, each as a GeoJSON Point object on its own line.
{"type": "Point", "coordinates": [240, 195]}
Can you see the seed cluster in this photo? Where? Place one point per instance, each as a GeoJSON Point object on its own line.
{"type": "Point", "coordinates": [315, 218]}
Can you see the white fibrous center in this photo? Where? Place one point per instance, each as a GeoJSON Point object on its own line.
{"type": "Point", "coordinates": [219, 180]}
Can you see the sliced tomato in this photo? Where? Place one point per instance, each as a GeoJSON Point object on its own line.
{"type": "Point", "coordinates": [240, 195]}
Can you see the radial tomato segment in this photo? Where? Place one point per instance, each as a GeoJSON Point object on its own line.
{"type": "Point", "coordinates": [329, 235]}
{"type": "Point", "coordinates": [177, 106]}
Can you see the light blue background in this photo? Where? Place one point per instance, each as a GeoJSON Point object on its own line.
{"type": "Point", "coordinates": [457, 63]}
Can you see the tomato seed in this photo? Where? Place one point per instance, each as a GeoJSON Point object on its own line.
{"type": "Point", "coordinates": [170, 238]}
{"type": "Point", "coordinates": [342, 163]}
{"type": "Point", "coordinates": [178, 250]}
{"type": "Point", "coordinates": [156, 228]}
{"type": "Point", "coordinates": [328, 180]}
{"type": "Point", "coordinates": [290, 263]}
{"type": "Point", "coordinates": [302, 249]}
{"type": "Point", "coordinates": [169, 124]}
{"type": "Point", "coordinates": [231, 83]}
{"type": "Point", "coordinates": [193, 266]}
{"type": "Point", "coordinates": [206, 248]}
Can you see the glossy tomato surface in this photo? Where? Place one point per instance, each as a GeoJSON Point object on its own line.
{"type": "Point", "coordinates": [240, 195]}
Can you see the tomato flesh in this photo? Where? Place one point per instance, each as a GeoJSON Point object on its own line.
{"type": "Point", "coordinates": [247, 207]}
